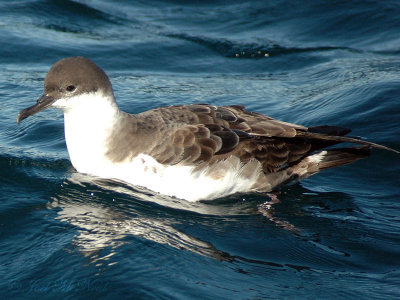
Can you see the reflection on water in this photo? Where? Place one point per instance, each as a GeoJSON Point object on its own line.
{"type": "Point", "coordinates": [106, 213]}
{"type": "Point", "coordinates": [105, 221]}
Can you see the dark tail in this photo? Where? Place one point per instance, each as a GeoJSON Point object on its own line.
{"type": "Point", "coordinates": [342, 156]}
{"type": "Point", "coordinates": [327, 159]}
{"type": "Point", "coordinates": [310, 165]}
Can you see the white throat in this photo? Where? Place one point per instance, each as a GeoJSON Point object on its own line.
{"type": "Point", "coordinates": [88, 122]}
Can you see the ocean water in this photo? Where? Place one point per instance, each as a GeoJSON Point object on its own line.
{"type": "Point", "coordinates": [335, 235]}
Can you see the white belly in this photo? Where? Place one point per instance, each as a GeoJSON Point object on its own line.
{"type": "Point", "coordinates": [184, 182]}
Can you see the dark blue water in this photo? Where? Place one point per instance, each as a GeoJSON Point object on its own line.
{"type": "Point", "coordinates": [335, 235]}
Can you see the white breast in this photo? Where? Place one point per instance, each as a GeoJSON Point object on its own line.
{"type": "Point", "coordinates": [88, 121]}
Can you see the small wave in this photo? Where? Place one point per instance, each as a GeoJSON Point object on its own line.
{"type": "Point", "coordinates": [28, 162]}
{"type": "Point", "coordinates": [71, 10]}
{"type": "Point", "coordinates": [63, 16]}
{"type": "Point", "coordinates": [252, 50]}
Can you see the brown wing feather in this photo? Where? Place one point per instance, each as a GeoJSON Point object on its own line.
{"type": "Point", "coordinates": [193, 134]}
{"type": "Point", "coordinates": [199, 133]}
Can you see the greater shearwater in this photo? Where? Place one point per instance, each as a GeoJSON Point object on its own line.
{"type": "Point", "coordinates": [194, 152]}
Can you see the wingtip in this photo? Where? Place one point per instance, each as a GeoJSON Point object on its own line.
{"type": "Point", "coordinates": [344, 139]}
{"type": "Point", "coordinates": [378, 146]}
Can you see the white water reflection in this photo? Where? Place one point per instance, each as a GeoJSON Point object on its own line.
{"type": "Point", "coordinates": [105, 218]}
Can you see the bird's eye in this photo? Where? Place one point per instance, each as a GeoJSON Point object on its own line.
{"type": "Point", "coordinates": [70, 88]}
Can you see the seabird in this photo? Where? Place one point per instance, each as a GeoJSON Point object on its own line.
{"type": "Point", "coordinates": [193, 152]}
